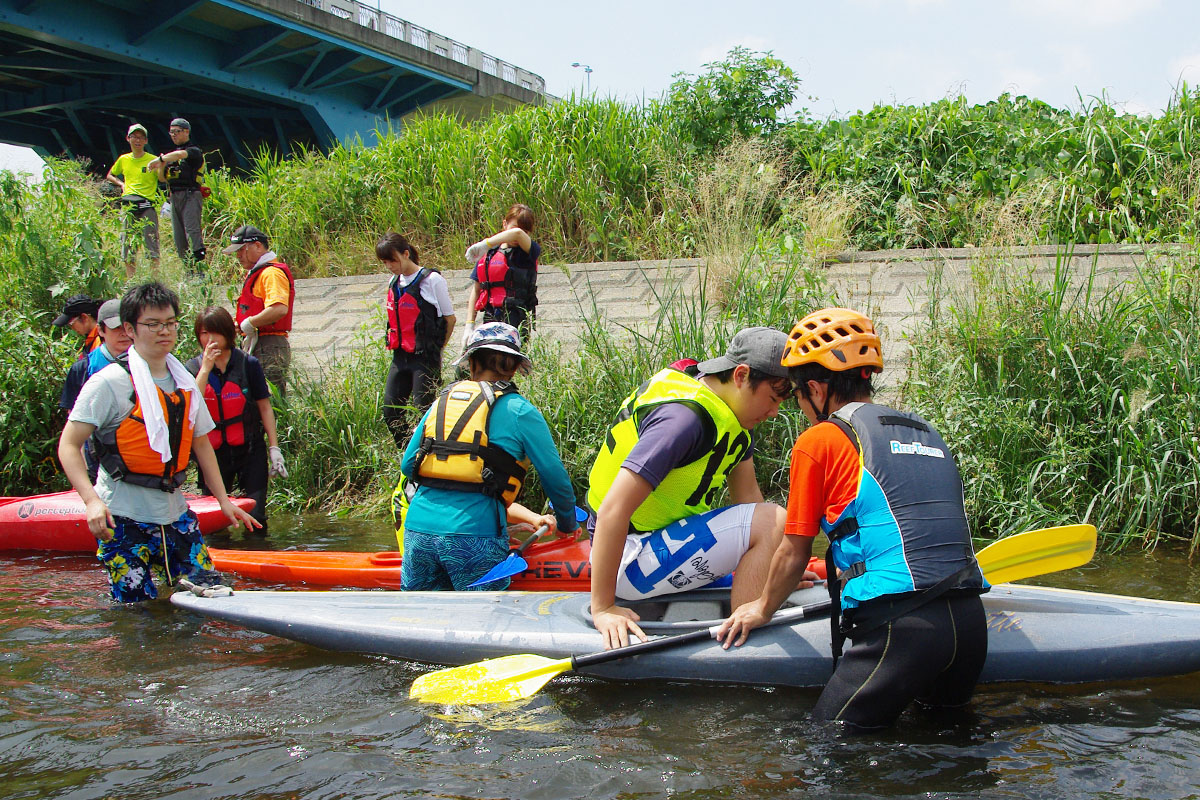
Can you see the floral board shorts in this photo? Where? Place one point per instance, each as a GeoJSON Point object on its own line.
{"type": "Point", "coordinates": [139, 553]}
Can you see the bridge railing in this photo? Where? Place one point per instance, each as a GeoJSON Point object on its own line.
{"type": "Point", "coordinates": [405, 31]}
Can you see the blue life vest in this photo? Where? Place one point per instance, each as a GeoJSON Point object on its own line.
{"type": "Point", "coordinates": [906, 530]}
{"type": "Point", "coordinates": [98, 359]}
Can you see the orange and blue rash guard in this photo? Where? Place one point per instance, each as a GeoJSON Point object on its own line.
{"type": "Point", "coordinates": [882, 485]}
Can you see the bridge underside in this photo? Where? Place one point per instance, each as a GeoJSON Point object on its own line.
{"type": "Point", "coordinates": [247, 74]}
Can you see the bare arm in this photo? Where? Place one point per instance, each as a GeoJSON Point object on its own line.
{"type": "Point", "coordinates": [451, 320]}
{"type": "Point", "coordinates": [114, 180]}
{"type": "Point", "coordinates": [627, 493]}
{"type": "Point", "coordinates": [743, 483]}
{"type": "Point", "coordinates": [515, 236]}
{"type": "Point", "coordinates": [787, 568]}
{"type": "Point", "coordinates": [267, 413]}
{"type": "Point", "coordinates": [270, 314]}
{"type": "Point", "coordinates": [70, 455]}
{"type": "Point", "coordinates": [519, 513]}
{"type": "Point", "coordinates": [471, 301]}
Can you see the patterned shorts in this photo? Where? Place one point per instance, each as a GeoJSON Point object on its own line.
{"type": "Point", "coordinates": [437, 562]}
{"type": "Point", "coordinates": [692, 553]}
{"type": "Point", "coordinates": [141, 552]}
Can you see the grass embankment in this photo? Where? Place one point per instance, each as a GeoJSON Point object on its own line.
{"type": "Point", "coordinates": [1045, 393]}
{"type": "Point", "coordinates": [612, 182]}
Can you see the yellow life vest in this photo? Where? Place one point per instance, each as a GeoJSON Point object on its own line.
{"type": "Point", "coordinates": [688, 489]}
{"type": "Point", "coordinates": [456, 452]}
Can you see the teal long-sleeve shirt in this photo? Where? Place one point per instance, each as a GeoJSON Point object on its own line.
{"type": "Point", "coordinates": [521, 430]}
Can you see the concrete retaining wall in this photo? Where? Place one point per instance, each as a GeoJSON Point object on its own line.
{"type": "Point", "coordinates": [335, 315]}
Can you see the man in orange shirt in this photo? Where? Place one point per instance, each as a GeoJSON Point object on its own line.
{"type": "Point", "coordinates": [264, 309]}
{"type": "Point", "coordinates": [883, 486]}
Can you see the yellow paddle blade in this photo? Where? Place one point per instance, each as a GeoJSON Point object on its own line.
{"type": "Point", "coordinates": [1031, 553]}
{"type": "Point", "coordinates": [494, 681]}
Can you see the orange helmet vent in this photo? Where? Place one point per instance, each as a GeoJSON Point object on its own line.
{"type": "Point", "coordinates": [838, 339]}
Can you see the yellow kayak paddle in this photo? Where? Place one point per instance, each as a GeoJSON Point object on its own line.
{"type": "Point", "coordinates": [517, 677]}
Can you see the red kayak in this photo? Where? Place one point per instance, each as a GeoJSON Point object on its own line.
{"type": "Point", "coordinates": [560, 565]}
{"type": "Point", "coordinates": [57, 521]}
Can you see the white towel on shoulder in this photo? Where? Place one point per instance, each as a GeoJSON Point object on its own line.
{"type": "Point", "coordinates": [147, 394]}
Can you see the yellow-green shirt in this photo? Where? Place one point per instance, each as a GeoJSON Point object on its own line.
{"type": "Point", "coordinates": [139, 181]}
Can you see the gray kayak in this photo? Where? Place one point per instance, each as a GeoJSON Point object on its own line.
{"type": "Point", "coordinates": [1035, 633]}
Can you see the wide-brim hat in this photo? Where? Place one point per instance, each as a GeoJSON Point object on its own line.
{"type": "Point", "coordinates": [498, 336]}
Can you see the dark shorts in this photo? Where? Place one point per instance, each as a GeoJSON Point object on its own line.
{"type": "Point", "coordinates": [436, 562]}
{"type": "Point", "coordinates": [932, 655]}
{"type": "Point", "coordinates": [141, 552]}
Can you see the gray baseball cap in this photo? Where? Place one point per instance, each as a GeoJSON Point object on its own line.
{"type": "Point", "coordinates": [109, 314]}
{"type": "Point", "coordinates": [180, 122]}
{"type": "Point", "coordinates": [757, 348]}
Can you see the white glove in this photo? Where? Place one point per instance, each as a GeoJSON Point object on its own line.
{"type": "Point", "coordinates": [251, 334]}
{"type": "Point", "coordinates": [477, 251]}
{"type": "Point", "coordinates": [467, 331]}
{"type": "Point", "coordinates": [277, 469]}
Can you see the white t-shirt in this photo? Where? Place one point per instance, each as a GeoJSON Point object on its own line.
{"type": "Point", "coordinates": [433, 289]}
{"type": "Point", "coordinates": [105, 401]}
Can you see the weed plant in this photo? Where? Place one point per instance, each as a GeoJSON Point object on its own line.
{"type": "Point", "coordinates": [1067, 400]}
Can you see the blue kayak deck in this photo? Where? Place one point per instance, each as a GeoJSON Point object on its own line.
{"type": "Point", "coordinates": [1035, 633]}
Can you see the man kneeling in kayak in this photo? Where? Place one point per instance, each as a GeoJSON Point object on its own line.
{"type": "Point", "coordinates": [470, 454]}
{"type": "Point", "coordinates": [676, 442]}
{"type": "Point", "coordinates": [882, 485]}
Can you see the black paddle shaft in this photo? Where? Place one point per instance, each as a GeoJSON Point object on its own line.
{"type": "Point", "coordinates": [787, 616]}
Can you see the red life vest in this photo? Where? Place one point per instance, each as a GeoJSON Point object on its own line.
{"type": "Point", "coordinates": [248, 304]}
{"type": "Point", "coordinates": [502, 284]}
{"type": "Point", "coordinates": [233, 410]}
{"type": "Point", "coordinates": [125, 452]}
{"type": "Point", "coordinates": [413, 323]}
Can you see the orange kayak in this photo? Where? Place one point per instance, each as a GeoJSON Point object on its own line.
{"type": "Point", "coordinates": [58, 521]}
{"type": "Point", "coordinates": [555, 566]}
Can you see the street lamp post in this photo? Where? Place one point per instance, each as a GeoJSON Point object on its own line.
{"type": "Point", "coordinates": [587, 72]}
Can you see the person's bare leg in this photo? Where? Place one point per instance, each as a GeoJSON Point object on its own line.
{"type": "Point", "coordinates": [766, 532]}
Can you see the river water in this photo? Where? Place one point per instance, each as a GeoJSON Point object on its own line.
{"type": "Point", "coordinates": [138, 702]}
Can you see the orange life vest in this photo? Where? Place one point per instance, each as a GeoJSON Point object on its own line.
{"type": "Point", "coordinates": [125, 452]}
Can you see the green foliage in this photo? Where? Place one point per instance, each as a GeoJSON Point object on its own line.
{"type": "Point", "coordinates": [56, 239]}
{"type": "Point", "coordinates": [1069, 403]}
{"type": "Point", "coordinates": [954, 174]}
{"type": "Point", "coordinates": [32, 363]}
{"type": "Point", "coordinates": [738, 97]}
{"type": "Point", "coordinates": [590, 170]}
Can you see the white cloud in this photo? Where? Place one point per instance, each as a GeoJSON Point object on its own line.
{"type": "Point", "coordinates": [718, 51]}
{"type": "Point", "coordinates": [1091, 13]}
{"type": "Point", "coordinates": [1186, 68]}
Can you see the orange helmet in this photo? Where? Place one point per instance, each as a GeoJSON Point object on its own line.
{"type": "Point", "coordinates": [836, 338]}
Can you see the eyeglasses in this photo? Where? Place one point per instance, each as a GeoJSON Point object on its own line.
{"type": "Point", "coordinates": [155, 327]}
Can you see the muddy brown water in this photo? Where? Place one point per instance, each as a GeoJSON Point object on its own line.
{"type": "Point", "coordinates": [102, 701]}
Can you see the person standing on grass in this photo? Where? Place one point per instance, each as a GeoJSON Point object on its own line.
{"type": "Point", "coordinates": [264, 308]}
{"type": "Point", "coordinates": [182, 169]}
{"type": "Point", "coordinates": [420, 321]}
{"type": "Point", "coordinates": [138, 181]}
{"type": "Point", "coordinates": [882, 485]}
{"type": "Point", "coordinates": [470, 455]}
{"type": "Point", "coordinates": [146, 421]}
{"type": "Point", "coordinates": [239, 401]}
{"type": "Point", "coordinates": [115, 344]}
{"type": "Point", "coordinates": [79, 312]}
{"type": "Point", "coordinates": [676, 442]}
{"type": "Point", "coordinates": [504, 279]}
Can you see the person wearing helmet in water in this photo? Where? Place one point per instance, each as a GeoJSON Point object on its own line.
{"type": "Point", "coordinates": [883, 486]}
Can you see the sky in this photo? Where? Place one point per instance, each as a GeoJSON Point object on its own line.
{"type": "Point", "coordinates": [848, 54]}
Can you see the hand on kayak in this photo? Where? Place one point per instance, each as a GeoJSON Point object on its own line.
{"type": "Point", "coordinates": [616, 624]}
{"type": "Point", "coordinates": [239, 517]}
{"type": "Point", "coordinates": [744, 619]}
{"type": "Point", "coordinates": [809, 580]}
{"type": "Point", "coordinates": [99, 519]}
